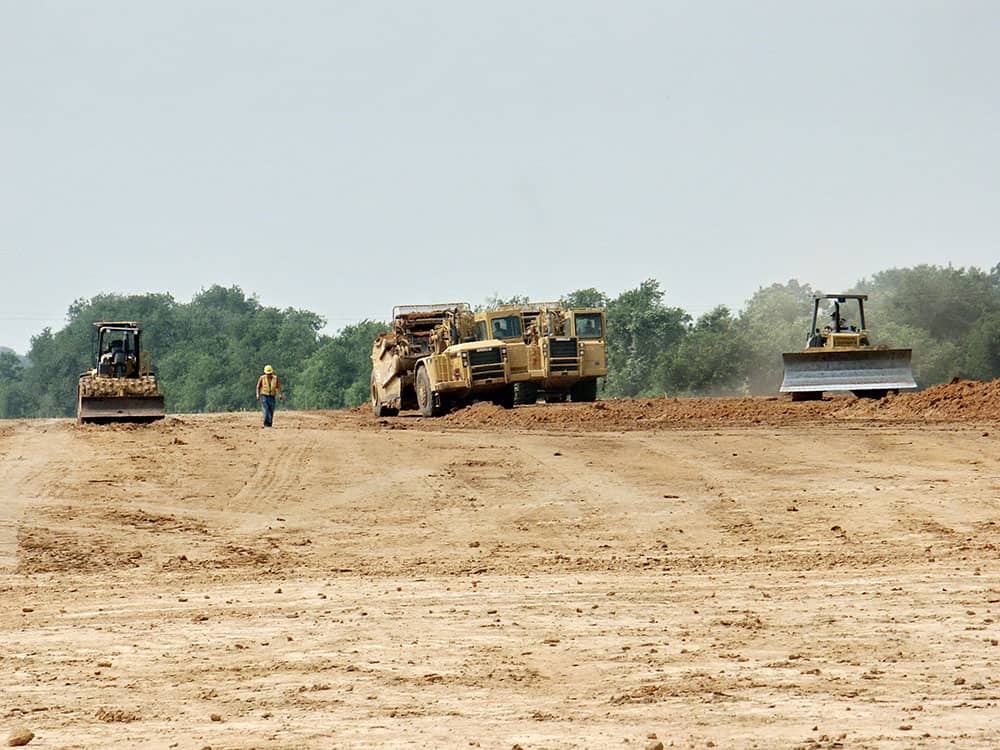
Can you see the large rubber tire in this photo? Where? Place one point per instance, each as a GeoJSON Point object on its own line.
{"type": "Point", "coordinates": [525, 393]}
{"type": "Point", "coordinates": [505, 398]}
{"type": "Point", "coordinates": [425, 396]}
{"type": "Point", "coordinates": [584, 390]}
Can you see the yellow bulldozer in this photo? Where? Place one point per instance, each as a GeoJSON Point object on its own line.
{"type": "Point", "coordinates": [432, 361]}
{"type": "Point", "coordinates": [840, 357]}
{"type": "Point", "coordinates": [122, 386]}
{"type": "Point", "coordinates": [554, 352]}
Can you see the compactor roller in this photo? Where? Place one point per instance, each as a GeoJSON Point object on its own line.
{"type": "Point", "coordinates": [122, 387]}
{"type": "Point", "coordinates": [839, 357]}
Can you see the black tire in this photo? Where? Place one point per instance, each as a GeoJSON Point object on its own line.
{"type": "Point", "coordinates": [584, 390]}
{"type": "Point", "coordinates": [505, 398]}
{"type": "Point", "coordinates": [555, 398]}
{"type": "Point", "coordinates": [525, 393]}
{"type": "Point", "coordinates": [425, 396]}
{"type": "Point", "coordinates": [807, 395]}
{"type": "Point", "coordinates": [873, 394]}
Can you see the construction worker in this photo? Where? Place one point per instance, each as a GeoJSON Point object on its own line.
{"type": "Point", "coordinates": [268, 387]}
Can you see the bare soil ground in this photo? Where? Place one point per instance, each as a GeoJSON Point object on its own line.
{"type": "Point", "coordinates": [743, 572]}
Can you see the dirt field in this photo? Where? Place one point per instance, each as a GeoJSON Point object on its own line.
{"type": "Point", "coordinates": [730, 573]}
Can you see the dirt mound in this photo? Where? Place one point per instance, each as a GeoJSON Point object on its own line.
{"type": "Point", "coordinates": [960, 400]}
{"type": "Point", "coordinates": [635, 414]}
{"type": "Point", "coordinates": [957, 401]}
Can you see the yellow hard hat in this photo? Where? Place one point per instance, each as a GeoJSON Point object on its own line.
{"type": "Point", "coordinates": [268, 369]}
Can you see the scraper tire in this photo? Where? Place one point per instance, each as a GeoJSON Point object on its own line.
{"type": "Point", "coordinates": [425, 396]}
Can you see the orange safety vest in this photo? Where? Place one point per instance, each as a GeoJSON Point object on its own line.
{"type": "Point", "coordinates": [268, 385]}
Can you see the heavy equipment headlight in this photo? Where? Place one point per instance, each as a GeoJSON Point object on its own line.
{"type": "Point", "coordinates": [465, 359]}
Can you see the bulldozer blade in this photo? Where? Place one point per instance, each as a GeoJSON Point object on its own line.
{"type": "Point", "coordinates": [859, 370]}
{"type": "Point", "coordinates": [102, 409]}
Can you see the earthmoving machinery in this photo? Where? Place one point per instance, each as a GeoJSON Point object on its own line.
{"type": "Point", "coordinates": [557, 352]}
{"type": "Point", "coordinates": [840, 357]}
{"type": "Point", "coordinates": [508, 324]}
{"type": "Point", "coordinates": [571, 353]}
{"type": "Point", "coordinates": [431, 361]}
{"type": "Point", "coordinates": [122, 386]}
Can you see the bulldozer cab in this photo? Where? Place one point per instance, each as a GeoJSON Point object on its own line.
{"type": "Point", "coordinates": [838, 321]}
{"type": "Point", "coordinates": [119, 352]}
{"type": "Point", "coordinates": [839, 355]}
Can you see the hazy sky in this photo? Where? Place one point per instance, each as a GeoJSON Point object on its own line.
{"type": "Point", "coordinates": [346, 156]}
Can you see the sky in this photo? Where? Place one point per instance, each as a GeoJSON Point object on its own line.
{"type": "Point", "coordinates": [345, 156]}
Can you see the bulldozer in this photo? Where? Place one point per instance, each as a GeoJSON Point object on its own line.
{"type": "Point", "coordinates": [554, 352]}
{"type": "Point", "coordinates": [432, 361]}
{"type": "Point", "coordinates": [840, 357]}
{"type": "Point", "coordinates": [122, 386]}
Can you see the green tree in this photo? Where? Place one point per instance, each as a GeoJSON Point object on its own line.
{"type": "Point", "coordinates": [207, 353]}
{"type": "Point", "coordinates": [585, 298]}
{"type": "Point", "coordinates": [56, 364]}
{"type": "Point", "coordinates": [775, 320]}
{"type": "Point", "coordinates": [640, 328]}
{"type": "Point", "coordinates": [981, 359]}
{"type": "Point", "coordinates": [946, 302]}
{"type": "Point", "coordinates": [932, 361]}
{"type": "Point", "coordinates": [709, 359]}
{"type": "Point", "coordinates": [338, 373]}
{"type": "Point", "coordinates": [15, 396]}
{"type": "Point", "coordinates": [494, 301]}
{"type": "Point", "coordinates": [16, 400]}
{"type": "Point", "coordinates": [947, 315]}
{"type": "Point", "coordinates": [11, 369]}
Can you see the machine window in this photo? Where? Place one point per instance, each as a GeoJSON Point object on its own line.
{"type": "Point", "coordinates": [507, 327]}
{"type": "Point", "coordinates": [588, 326]}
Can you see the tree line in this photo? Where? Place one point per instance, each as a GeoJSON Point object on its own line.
{"type": "Point", "coordinates": [949, 317]}
{"type": "Point", "coordinates": [209, 351]}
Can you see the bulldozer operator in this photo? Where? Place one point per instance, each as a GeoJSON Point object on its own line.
{"type": "Point", "coordinates": [838, 324]}
{"type": "Point", "coordinates": [115, 361]}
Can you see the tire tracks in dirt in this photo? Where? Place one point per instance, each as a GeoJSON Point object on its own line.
{"type": "Point", "coordinates": [281, 466]}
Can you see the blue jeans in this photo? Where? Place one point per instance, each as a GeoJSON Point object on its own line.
{"type": "Point", "coordinates": [267, 404]}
